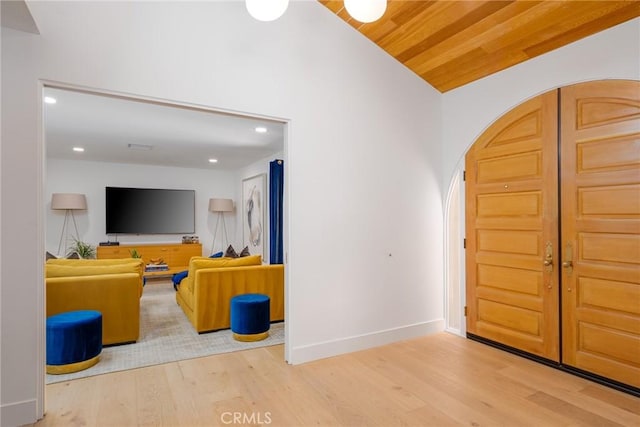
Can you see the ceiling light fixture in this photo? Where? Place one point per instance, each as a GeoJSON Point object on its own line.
{"type": "Point", "coordinates": [261, 129]}
{"type": "Point", "coordinates": [78, 149]}
{"type": "Point", "coordinates": [366, 10]}
{"type": "Point", "coordinates": [266, 10]}
{"type": "Point", "coordinates": [49, 100]}
{"type": "Point", "coordinates": [213, 160]}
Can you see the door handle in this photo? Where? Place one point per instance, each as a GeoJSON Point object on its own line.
{"type": "Point", "coordinates": [548, 258]}
{"type": "Point", "coordinates": [567, 264]}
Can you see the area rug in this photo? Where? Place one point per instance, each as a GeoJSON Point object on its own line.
{"type": "Point", "coordinates": [166, 336]}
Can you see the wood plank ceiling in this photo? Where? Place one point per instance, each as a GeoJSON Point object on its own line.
{"type": "Point", "coordinates": [452, 43]}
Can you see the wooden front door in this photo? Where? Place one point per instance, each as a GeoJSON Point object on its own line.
{"type": "Point", "coordinates": [600, 133]}
{"type": "Point", "coordinates": [523, 259]}
{"type": "Point", "coordinates": [512, 230]}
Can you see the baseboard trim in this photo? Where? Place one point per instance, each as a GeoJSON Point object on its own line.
{"type": "Point", "coordinates": [457, 332]}
{"type": "Point", "coordinates": [18, 413]}
{"type": "Point", "coordinates": [308, 353]}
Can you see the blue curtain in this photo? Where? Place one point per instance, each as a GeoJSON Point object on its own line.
{"type": "Point", "coordinates": [276, 194]}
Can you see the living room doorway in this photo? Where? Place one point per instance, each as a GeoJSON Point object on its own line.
{"type": "Point", "coordinates": [92, 136]}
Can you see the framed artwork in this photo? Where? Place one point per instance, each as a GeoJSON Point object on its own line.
{"type": "Point", "coordinates": [253, 213]}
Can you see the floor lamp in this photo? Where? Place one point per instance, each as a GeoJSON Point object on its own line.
{"type": "Point", "coordinates": [68, 202]}
{"type": "Point", "coordinates": [220, 206]}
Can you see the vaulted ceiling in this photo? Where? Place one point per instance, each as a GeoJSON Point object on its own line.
{"type": "Point", "coordinates": [452, 43]}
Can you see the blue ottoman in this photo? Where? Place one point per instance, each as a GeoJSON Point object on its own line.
{"type": "Point", "coordinates": [250, 317]}
{"type": "Point", "coordinates": [74, 341]}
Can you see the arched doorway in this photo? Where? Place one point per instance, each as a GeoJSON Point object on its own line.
{"type": "Point", "coordinates": [553, 230]}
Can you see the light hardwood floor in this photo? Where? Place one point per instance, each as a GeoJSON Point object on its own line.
{"type": "Point", "coordinates": [439, 380]}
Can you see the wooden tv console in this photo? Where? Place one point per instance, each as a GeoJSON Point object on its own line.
{"type": "Point", "coordinates": [176, 256]}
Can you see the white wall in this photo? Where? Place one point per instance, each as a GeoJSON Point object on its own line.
{"type": "Point", "coordinates": [363, 151]}
{"type": "Point", "coordinates": [91, 178]}
{"type": "Point", "coordinates": [21, 306]}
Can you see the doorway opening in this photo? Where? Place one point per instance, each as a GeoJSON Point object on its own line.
{"type": "Point", "coordinates": [236, 159]}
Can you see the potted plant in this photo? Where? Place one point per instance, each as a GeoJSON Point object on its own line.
{"type": "Point", "coordinates": [134, 253]}
{"type": "Point", "coordinates": [84, 250]}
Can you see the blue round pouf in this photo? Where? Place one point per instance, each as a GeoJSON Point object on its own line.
{"type": "Point", "coordinates": [74, 341]}
{"type": "Point", "coordinates": [250, 317]}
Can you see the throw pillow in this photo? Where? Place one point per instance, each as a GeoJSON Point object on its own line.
{"type": "Point", "coordinates": [245, 252]}
{"type": "Point", "coordinates": [177, 278]}
{"type": "Point", "coordinates": [231, 253]}
{"type": "Point", "coordinates": [217, 255]}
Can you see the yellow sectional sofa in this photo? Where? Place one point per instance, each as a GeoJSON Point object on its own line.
{"type": "Point", "coordinates": [111, 286]}
{"type": "Point", "coordinates": [205, 294]}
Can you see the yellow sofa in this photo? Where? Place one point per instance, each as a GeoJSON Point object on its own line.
{"type": "Point", "coordinates": [111, 286]}
{"type": "Point", "coordinates": [205, 294]}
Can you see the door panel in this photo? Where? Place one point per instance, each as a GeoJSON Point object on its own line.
{"type": "Point", "coordinates": [511, 226]}
{"type": "Point", "coordinates": [600, 204]}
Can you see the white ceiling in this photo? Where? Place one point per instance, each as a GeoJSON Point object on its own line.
{"type": "Point", "coordinates": [182, 137]}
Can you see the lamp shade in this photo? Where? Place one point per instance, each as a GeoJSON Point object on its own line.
{"type": "Point", "coordinates": [266, 10]}
{"type": "Point", "coordinates": [220, 205]}
{"type": "Point", "coordinates": [66, 201]}
{"type": "Point", "coordinates": [366, 10]}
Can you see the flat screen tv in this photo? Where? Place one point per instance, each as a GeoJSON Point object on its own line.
{"type": "Point", "coordinates": [149, 211]}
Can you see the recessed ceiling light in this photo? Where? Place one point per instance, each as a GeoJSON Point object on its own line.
{"type": "Point", "coordinates": [213, 160]}
{"type": "Point", "coordinates": [78, 149]}
{"type": "Point", "coordinates": [261, 129]}
{"type": "Point", "coordinates": [49, 100]}
{"type": "Point", "coordinates": [140, 147]}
